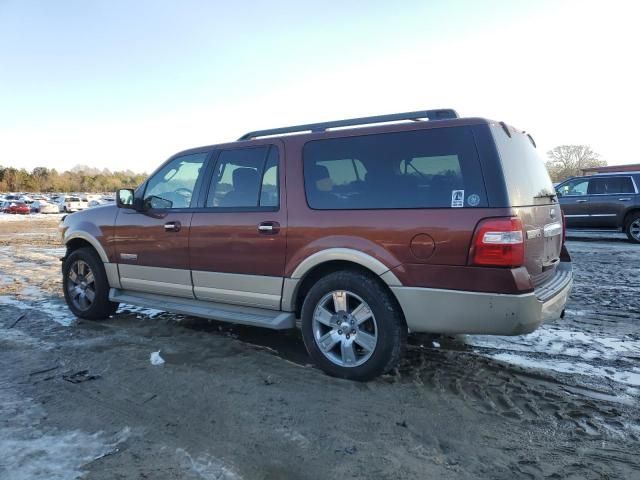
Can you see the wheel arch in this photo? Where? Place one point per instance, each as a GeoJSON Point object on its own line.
{"type": "Point", "coordinates": [627, 215]}
{"type": "Point", "coordinates": [328, 261]}
{"type": "Point", "coordinates": [80, 239]}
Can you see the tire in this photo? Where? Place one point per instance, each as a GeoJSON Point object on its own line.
{"type": "Point", "coordinates": [85, 285]}
{"type": "Point", "coordinates": [380, 331]}
{"type": "Point", "coordinates": [632, 228]}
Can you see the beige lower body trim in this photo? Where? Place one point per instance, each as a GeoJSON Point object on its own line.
{"type": "Point", "coordinates": [113, 277]}
{"type": "Point", "coordinates": [432, 310]}
{"type": "Point", "coordinates": [165, 281]}
{"type": "Point", "coordinates": [238, 289]}
{"type": "Point", "coordinates": [289, 290]}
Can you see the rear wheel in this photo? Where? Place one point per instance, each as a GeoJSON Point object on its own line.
{"type": "Point", "coordinates": [86, 289]}
{"type": "Point", "coordinates": [352, 327]}
{"type": "Point", "coordinates": [632, 228]}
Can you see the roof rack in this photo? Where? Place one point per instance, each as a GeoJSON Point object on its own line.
{"type": "Point", "coordinates": [440, 114]}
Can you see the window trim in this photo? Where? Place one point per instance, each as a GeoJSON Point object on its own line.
{"type": "Point", "coordinates": [208, 178]}
{"type": "Point", "coordinates": [633, 182]}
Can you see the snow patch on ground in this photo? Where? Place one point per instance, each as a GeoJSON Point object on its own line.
{"type": "Point", "coordinates": [58, 312]}
{"type": "Point", "coordinates": [7, 217]}
{"type": "Point", "coordinates": [627, 377]}
{"type": "Point", "coordinates": [29, 452]}
{"type": "Point", "coordinates": [140, 312]}
{"type": "Point", "coordinates": [548, 348]}
{"type": "Point", "coordinates": [554, 341]}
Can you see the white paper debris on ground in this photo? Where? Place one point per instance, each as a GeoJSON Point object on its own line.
{"type": "Point", "coordinates": [156, 359]}
{"type": "Point", "coordinates": [436, 344]}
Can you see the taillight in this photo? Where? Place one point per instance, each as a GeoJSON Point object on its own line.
{"type": "Point", "coordinates": [564, 227]}
{"type": "Point", "coordinates": [498, 242]}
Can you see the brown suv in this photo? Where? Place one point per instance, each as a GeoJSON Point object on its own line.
{"type": "Point", "coordinates": [423, 222]}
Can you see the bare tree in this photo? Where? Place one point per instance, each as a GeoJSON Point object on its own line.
{"type": "Point", "coordinates": [568, 161]}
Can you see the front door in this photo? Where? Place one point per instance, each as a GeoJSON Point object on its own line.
{"type": "Point", "coordinates": [152, 245]}
{"type": "Point", "coordinates": [574, 201]}
{"type": "Point", "coordinates": [238, 240]}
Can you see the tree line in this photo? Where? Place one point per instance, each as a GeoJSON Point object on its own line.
{"type": "Point", "coordinates": [564, 161]}
{"type": "Point", "coordinates": [79, 179]}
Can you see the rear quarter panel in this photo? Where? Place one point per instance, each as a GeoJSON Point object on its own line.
{"type": "Point", "coordinates": [386, 235]}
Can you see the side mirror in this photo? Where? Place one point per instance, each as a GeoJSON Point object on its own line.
{"type": "Point", "coordinates": [124, 198]}
{"type": "Point", "coordinates": [558, 193]}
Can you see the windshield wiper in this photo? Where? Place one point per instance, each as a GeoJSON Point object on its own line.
{"type": "Point", "coordinates": [546, 195]}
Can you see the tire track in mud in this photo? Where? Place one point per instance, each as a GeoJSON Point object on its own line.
{"type": "Point", "coordinates": [519, 394]}
{"type": "Point", "coordinates": [588, 418]}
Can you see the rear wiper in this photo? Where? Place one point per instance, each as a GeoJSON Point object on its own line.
{"type": "Point", "coordinates": [551, 196]}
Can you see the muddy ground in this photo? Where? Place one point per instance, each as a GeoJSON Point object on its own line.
{"type": "Point", "coordinates": [82, 399]}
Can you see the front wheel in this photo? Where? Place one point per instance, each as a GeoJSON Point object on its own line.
{"type": "Point", "coordinates": [352, 327]}
{"type": "Point", "coordinates": [632, 228]}
{"type": "Point", "coordinates": [85, 285]}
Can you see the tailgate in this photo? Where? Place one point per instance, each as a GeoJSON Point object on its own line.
{"type": "Point", "coordinates": [543, 240]}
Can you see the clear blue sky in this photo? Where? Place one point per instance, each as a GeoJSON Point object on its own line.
{"type": "Point", "coordinates": [125, 84]}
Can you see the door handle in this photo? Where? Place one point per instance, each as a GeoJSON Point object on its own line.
{"type": "Point", "coordinates": [269, 228]}
{"type": "Point", "coordinates": [625, 199]}
{"type": "Point", "coordinates": [581, 201]}
{"type": "Point", "coordinates": [172, 227]}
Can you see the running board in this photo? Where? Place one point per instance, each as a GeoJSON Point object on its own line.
{"type": "Point", "coordinates": [256, 317]}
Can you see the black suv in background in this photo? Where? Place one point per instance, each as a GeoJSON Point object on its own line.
{"type": "Point", "coordinates": [603, 201]}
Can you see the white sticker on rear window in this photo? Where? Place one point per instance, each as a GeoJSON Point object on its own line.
{"type": "Point", "coordinates": [457, 198]}
{"type": "Point", "coordinates": [473, 199]}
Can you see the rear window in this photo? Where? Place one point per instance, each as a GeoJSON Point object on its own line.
{"type": "Point", "coordinates": [435, 168]}
{"type": "Point", "coordinates": [527, 179]}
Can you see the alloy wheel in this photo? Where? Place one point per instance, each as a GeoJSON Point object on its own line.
{"type": "Point", "coordinates": [81, 285]}
{"type": "Point", "coordinates": [634, 229]}
{"type": "Point", "coordinates": [344, 328]}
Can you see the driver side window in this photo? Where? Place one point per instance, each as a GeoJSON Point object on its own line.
{"type": "Point", "coordinates": [576, 187]}
{"type": "Point", "coordinates": [172, 186]}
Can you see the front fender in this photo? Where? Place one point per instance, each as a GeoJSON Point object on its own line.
{"type": "Point", "coordinates": [95, 226]}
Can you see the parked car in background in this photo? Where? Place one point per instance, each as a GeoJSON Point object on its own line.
{"type": "Point", "coordinates": [607, 201]}
{"type": "Point", "coordinates": [101, 201]}
{"type": "Point", "coordinates": [12, 197]}
{"type": "Point", "coordinates": [41, 206]}
{"type": "Point", "coordinates": [72, 204]}
{"type": "Point", "coordinates": [443, 226]}
{"type": "Point", "coordinates": [18, 208]}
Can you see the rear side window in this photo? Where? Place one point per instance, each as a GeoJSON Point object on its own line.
{"type": "Point", "coordinates": [435, 168]}
{"type": "Point", "coordinates": [610, 186]}
{"type": "Point", "coordinates": [245, 178]}
{"type": "Point", "coordinates": [525, 175]}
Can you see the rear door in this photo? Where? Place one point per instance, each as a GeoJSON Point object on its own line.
{"type": "Point", "coordinates": [609, 197]}
{"type": "Point", "coordinates": [574, 200]}
{"type": "Point", "coordinates": [238, 240]}
{"type": "Point", "coordinates": [533, 197]}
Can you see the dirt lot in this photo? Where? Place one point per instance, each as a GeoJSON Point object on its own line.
{"type": "Point", "coordinates": [81, 398]}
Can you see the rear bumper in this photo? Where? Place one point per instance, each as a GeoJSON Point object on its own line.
{"type": "Point", "coordinates": [451, 311]}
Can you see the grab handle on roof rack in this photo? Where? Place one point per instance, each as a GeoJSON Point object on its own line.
{"type": "Point", "coordinates": [439, 114]}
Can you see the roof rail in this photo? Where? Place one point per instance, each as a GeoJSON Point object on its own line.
{"type": "Point", "coordinates": [440, 114]}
